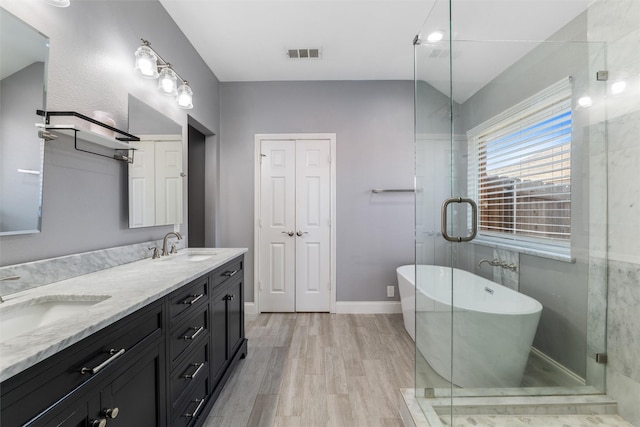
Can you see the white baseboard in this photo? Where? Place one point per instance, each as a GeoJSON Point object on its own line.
{"type": "Point", "coordinates": [351, 307]}
{"type": "Point", "coordinates": [368, 307]}
{"type": "Point", "coordinates": [249, 308]}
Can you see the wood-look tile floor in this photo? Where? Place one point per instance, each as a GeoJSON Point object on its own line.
{"type": "Point", "coordinates": [318, 369]}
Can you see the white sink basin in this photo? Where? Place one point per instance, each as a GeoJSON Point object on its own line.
{"type": "Point", "coordinates": [191, 256]}
{"type": "Point", "coordinates": [27, 316]}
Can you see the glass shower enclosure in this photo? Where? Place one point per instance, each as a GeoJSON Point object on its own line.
{"type": "Point", "coordinates": [511, 236]}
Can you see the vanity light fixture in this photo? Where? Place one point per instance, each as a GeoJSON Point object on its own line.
{"type": "Point", "coordinates": [151, 65]}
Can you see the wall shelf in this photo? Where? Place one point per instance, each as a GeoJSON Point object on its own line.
{"type": "Point", "coordinates": [105, 136]}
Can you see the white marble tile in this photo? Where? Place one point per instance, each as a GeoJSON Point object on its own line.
{"type": "Point", "coordinates": [624, 205]}
{"type": "Point", "coordinates": [504, 276]}
{"type": "Point", "coordinates": [612, 19]}
{"type": "Point", "coordinates": [627, 393]}
{"type": "Point", "coordinates": [624, 319]}
{"type": "Point", "coordinates": [43, 272]}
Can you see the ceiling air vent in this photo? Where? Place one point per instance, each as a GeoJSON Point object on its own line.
{"type": "Point", "coordinates": [314, 53]}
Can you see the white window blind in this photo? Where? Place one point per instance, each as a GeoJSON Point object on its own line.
{"type": "Point", "coordinates": [520, 170]}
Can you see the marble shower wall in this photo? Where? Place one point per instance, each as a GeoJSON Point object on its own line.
{"type": "Point", "coordinates": [617, 22]}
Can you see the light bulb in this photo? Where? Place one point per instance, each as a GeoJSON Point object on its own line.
{"type": "Point", "coordinates": [146, 62]}
{"type": "Point", "coordinates": [168, 82]}
{"type": "Point", "coordinates": [185, 96]}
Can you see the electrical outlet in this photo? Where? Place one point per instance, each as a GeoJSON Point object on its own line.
{"type": "Point", "coordinates": [391, 291]}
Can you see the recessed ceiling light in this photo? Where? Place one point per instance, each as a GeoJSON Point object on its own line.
{"type": "Point", "coordinates": [58, 3]}
{"type": "Point", "coordinates": [436, 36]}
{"type": "Point", "coordinates": [618, 87]}
{"type": "Point", "coordinates": [585, 101]}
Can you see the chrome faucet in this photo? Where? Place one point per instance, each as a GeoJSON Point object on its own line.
{"type": "Point", "coordinates": [164, 242]}
{"type": "Point", "coordinates": [7, 278]}
{"type": "Point", "coordinates": [493, 262]}
{"type": "Point", "coordinates": [497, 263]}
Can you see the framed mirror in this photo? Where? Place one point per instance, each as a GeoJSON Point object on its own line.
{"type": "Point", "coordinates": [155, 175]}
{"type": "Point", "coordinates": [23, 77]}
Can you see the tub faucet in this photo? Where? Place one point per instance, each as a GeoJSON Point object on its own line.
{"type": "Point", "coordinates": [493, 262]}
{"type": "Point", "coordinates": [164, 241]}
{"type": "Point", "coordinates": [7, 278]}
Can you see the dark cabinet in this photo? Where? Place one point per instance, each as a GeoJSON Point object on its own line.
{"type": "Point", "coordinates": [162, 366]}
{"type": "Point", "coordinates": [227, 319]}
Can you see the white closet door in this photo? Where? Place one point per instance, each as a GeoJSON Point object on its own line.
{"type": "Point", "coordinates": [277, 218]}
{"type": "Point", "coordinates": [295, 226]}
{"type": "Point", "coordinates": [313, 225]}
{"type": "Point", "coordinates": [142, 202]}
{"type": "Point", "coordinates": [168, 182]}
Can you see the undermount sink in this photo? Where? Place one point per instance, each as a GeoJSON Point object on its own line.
{"type": "Point", "coordinates": [191, 256]}
{"type": "Point", "coordinates": [27, 316]}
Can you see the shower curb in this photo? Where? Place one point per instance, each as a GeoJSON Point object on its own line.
{"type": "Point", "coordinates": [427, 415]}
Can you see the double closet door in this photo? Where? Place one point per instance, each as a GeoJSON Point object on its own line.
{"type": "Point", "coordinates": [295, 225]}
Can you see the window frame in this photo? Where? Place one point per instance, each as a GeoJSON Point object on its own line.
{"type": "Point", "coordinates": [544, 246]}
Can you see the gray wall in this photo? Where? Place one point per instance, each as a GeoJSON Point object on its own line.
{"type": "Point", "coordinates": [91, 68]}
{"type": "Point", "coordinates": [373, 122]}
{"type": "Point", "coordinates": [561, 287]}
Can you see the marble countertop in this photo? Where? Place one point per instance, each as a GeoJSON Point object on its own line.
{"type": "Point", "coordinates": [129, 287]}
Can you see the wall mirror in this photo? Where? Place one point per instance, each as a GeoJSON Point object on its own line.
{"type": "Point", "coordinates": [23, 70]}
{"type": "Point", "coordinates": [155, 175]}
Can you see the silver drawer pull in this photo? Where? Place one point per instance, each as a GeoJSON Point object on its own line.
{"type": "Point", "coordinates": [197, 371]}
{"type": "Point", "coordinates": [230, 273]}
{"type": "Point", "coordinates": [114, 355]}
{"type": "Point", "coordinates": [195, 334]}
{"type": "Point", "coordinates": [193, 300]}
{"type": "Point", "coordinates": [194, 414]}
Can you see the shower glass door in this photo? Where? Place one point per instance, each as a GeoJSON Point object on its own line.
{"type": "Point", "coordinates": [516, 123]}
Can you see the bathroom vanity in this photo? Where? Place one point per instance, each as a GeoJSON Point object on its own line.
{"type": "Point", "coordinates": [153, 345]}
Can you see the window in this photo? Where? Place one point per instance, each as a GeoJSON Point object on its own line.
{"type": "Point", "coordinates": [520, 172]}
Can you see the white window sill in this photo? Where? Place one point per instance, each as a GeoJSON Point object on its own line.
{"type": "Point", "coordinates": [557, 253]}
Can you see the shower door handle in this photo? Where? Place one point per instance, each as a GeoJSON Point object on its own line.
{"type": "Point", "coordinates": [474, 219]}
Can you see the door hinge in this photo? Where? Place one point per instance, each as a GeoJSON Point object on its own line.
{"type": "Point", "coordinates": [260, 286]}
{"type": "Point", "coordinates": [601, 358]}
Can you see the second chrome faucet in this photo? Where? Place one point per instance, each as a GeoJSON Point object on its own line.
{"type": "Point", "coordinates": [497, 263]}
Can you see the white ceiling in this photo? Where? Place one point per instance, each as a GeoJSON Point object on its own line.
{"type": "Point", "coordinates": [247, 40]}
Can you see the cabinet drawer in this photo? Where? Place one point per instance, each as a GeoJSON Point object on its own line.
{"type": "Point", "coordinates": [193, 369]}
{"type": "Point", "coordinates": [188, 299]}
{"type": "Point", "coordinates": [231, 269]}
{"type": "Point", "coordinates": [191, 408]}
{"type": "Point", "coordinates": [189, 333]}
{"type": "Point", "coordinates": [43, 384]}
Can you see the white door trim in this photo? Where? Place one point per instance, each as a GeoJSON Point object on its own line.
{"type": "Point", "coordinates": [256, 208]}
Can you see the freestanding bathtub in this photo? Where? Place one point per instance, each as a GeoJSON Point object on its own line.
{"type": "Point", "coordinates": [492, 326]}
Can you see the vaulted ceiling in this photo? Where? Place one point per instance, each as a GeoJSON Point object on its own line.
{"type": "Point", "coordinates": [244, 40]}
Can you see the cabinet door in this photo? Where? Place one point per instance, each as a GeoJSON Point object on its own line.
{"type": "Point", "coordinates": [75, 415]}
{"type": "Point", "coordinates": [137, 397]}
{"type": "Point", "coordinates": [218, 335]}
{"type": "Point", "coordinates": [235, 318]}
